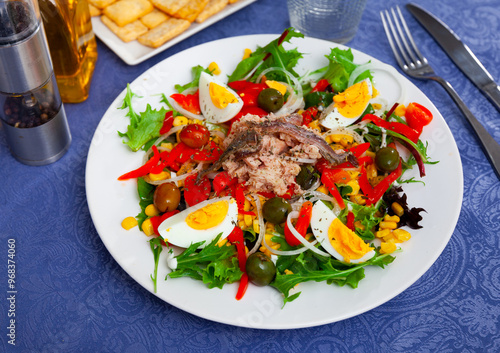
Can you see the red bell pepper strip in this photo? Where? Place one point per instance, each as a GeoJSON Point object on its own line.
{"type": "Point", "coordinates": [350, 220]}
{"type": "Point", "coordinates": [167, 122]}
{"type": "Point", "coordinates": [240, 200]}
{"type": "Point", "coordinates": [301, 226]}
{"type": "Point", "coordinates": [308, 115]}
{"type": "Point", "coordinates": [222, 181]}
{"type": "Point", "coordinates": [236, 238]}
{"type": "Point", "coordinates": [373, 194]}
{"type": "Point", "coordinates": [397, 127]}
{"type": "Point", "coordinates": [157, 220]}
{"type": "Point", "coordinates": [145, 169]}
{"type": "Point", "coordinates": [326, 179]}
{"type": "Point", "coordinates": [321, 85]}
{"type": "Point", "coordinates": [240, 85]}
{"type": "Point", "coordinates": [196, 192]}
{"type": "Point", "coordinates": [190, 102]}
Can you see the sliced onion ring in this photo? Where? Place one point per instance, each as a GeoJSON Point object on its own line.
{"type": "Point", "coordinates": [262, 226]}
{"type": "Point", "coordinates": [300, 238]}
{"type": "Point", "coordinates": [286, 253]}
{"type": "Point", "coordinates": [175, 179]}
{"type": "Point", "coordinates": [185, 112]}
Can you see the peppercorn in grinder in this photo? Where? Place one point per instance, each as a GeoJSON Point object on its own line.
{"type": "Point", "coordinates": [31, 109]}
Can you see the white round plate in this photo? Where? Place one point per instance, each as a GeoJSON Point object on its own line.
{"type": "Point", "coordinates": [110, 201]}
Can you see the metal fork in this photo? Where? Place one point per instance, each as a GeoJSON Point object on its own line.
{"type": "Point", "coordinates": [414, 64]}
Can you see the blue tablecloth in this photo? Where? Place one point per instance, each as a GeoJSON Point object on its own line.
{"type": "Point", "coordinates": [73, 297]}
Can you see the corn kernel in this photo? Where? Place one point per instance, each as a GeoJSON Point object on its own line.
{"type": "Point", "coordinates": [371, 171]}
{"type": "Point", "coordinates": [377, 106]}
{"type": "Point", "coordinates": [269, 227]}
{"type": "Point", "coordinates": [129, 223]}
{"type": "Point", "coordinates": [328, 139]}
{"type": "Point", "coordinates": [151, 211]}
{"type": "Point", "coordinates": [264, 250]}
{"type": "Point", "coordinates": [288, 272]}
{"type": "Point", "coordinates": [387, 247]}
{"type": "Point", "coordinates": [355, 187]}
{"type": "Point", "coordinates": [322, 189]}
{"type": "Point", "coordinates": [268, 239]}
{"type": "Point", "coordinates": [147, 227]}
{"type": "Point", "coordinates": [397, 209]}
{"type": "Point", "coordinates": [388, 218]}
{"type": "Point", "coordinates": [358, 199]}
{"type": "Point", "coordinates": [221, 242]}
{"type": "Point", "coordinates": [214, 68]}
{"type": "Point", "coordinates": [246, 53]}
{"type": "Point", "coordinates": [401, 235]}
{"type": "Point", "coordinates": [388, 225]}
{"type": "Point", "coordinates": [400, 110]}
{"type": "Point", "coordinates": [180, 120]}
{"type": "Point", "coordinates": [240, 217]}
{"type": "Point", "coordinates": [382, 233]}
{"type": "Point", "coordinates": [309, 236]}
{"type": "Point", "coordinates": [242, 225]}
{"type": "Point", "coordinates": [359, 225]}
{"type": "Point", "coordinates": [337, 146]}
{"type": "Point", "coordinates": [248, 220]}
{"type": "Point", "coordinates": [159, 176]}
{"type": "Point", "coordinates": [370, 154]}
{"type": "Point", "coordinates": [314, 125]}
{"type": "Point", "coordinates": [196, 121]}
{"type": "Point", "coordinates": [277, 86]}
{"type": "Point", "coordinates": [246, 206]}
{"type": "Point", "coordinates": [167, 146]}
{"type": "Point", "coordinates": [256, 226]}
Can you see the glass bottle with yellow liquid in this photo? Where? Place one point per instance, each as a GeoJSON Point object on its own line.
{"type": "Point", "coordinates": [72, 46]}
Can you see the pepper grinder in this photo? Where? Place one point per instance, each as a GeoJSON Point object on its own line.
{"type": "Point", "coordinates": [31, 108]}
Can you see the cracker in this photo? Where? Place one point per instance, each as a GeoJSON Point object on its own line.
{"type": "Point", "coordinates": [100, 4]}
{"type": "Point", "coordinates": [170, 6]}
{"type": "Point", "coordinates": [191, 10]}
{"type": "Point", "coordinates": [128, 32]}
{"type": "Point", "coordinates": [213, 7]}
{"type": "Point", "coordinates": [94, 11]}
{"type": "Point", "coordinates": [154, 18]}
{"type": "Point", "coordinates": [124, 12]}
{"type": "Point", "coordinates": [169, 29]}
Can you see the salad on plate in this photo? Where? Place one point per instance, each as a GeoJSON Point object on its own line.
{"type": "Point", "coordinates": [273, 178]}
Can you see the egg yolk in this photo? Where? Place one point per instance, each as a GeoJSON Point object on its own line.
{"type": "Point", "coordinates": [220, 96]}
{"type": "Point", "coordinates": [208, 216]}
{"type": "Point", "coordinates": [352, 102]}
{"type": "Point", "coordinates": [346, 242]}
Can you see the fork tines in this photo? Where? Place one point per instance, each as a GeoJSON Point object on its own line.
{"type": "Point", "coordinates": [398, 40]}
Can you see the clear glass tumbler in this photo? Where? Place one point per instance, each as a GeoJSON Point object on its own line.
{"type": "Point", "coordinates": [334, 20]}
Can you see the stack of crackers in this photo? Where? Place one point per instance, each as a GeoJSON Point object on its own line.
{"type": "Point", "coordinates": [153, 22]}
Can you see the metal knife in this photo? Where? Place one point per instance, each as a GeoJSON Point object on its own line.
{"type": "Point", "coordinates": [459, 52]}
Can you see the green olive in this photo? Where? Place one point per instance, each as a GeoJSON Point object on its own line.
{"type": "Point", "coordinates": [276, 209]}
{"type": "Point", "coordinates": [387, 159]}
{"type": "Point", "coordinates": [260, 269]}
{"type": "Point", "coordinates": [271, 100]}
{"type": "Point", "coordinates": [167, 197]}
{"type": "Point", "coordinates": [306, 177]}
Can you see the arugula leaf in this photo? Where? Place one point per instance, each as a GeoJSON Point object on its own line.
{"type": "Point", "coordinates": [145, 192]}
{"type": "Point", "coordinates": [366, 215]}
{"type": "Point", "coordinates": [143, 127]}
{"type": "Point", "coordinates": [276, 55]}
{"type": "Point", "coordinates": [196, 71]}
{"type": "Point", "coordinates": [340, 67]}
{"type": "Point", "coordinates": [214, 265]}
{"type": "Point", "coordinates": [312, 267]}
{"type": "Point", "coordinates": [156, 248]}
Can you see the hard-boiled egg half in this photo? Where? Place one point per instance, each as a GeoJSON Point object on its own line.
{"type": "Point", "coordinates": [201, 222]}
{"type": "Point", "coordinates": [218, 102]}
{"type": "Point", "coordinates": [338, 240]}
{"type": "Point", "coordinates": [348, 106]}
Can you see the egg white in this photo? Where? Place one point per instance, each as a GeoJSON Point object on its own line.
{"type": "Point", "coordinates": [321, 219]}
{"type": "Point", "coordinates": [209, 111]}
{"type": "Point", "coordinates": [335, 119]}
{"type": "Point", "coordinates": [176, 231]}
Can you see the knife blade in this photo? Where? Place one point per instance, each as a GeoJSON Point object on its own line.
{"type": "Point", "coordinates": [459, 53]}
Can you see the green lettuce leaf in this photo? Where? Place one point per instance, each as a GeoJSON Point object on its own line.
{"type": "Point", "coordinates": [213, 265]}
{"type": "Point", "coordinates": [278, 57]}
